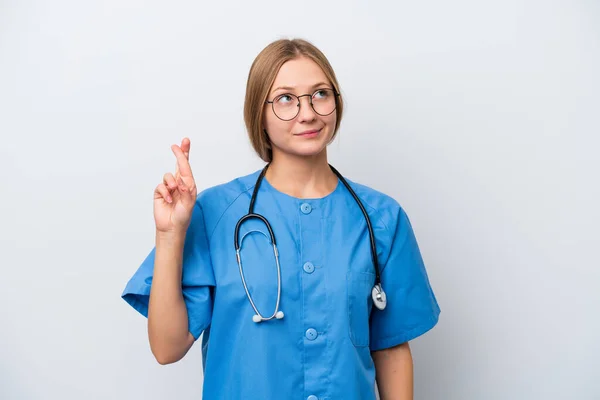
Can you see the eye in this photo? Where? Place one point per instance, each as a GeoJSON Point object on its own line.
{"type": "Point", "coordinates": [321, 94]}
{"type": "Point", "coordinates": [284, 99]}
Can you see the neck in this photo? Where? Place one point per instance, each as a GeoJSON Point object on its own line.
{"type": "Point", "coordinates": [302, 177]}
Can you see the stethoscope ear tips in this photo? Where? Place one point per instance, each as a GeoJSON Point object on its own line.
{"type": "Point", "coordinates": [257, 318]}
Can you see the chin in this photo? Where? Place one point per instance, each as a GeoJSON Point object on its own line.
{"type": "Point", "coordinates": [304, 148]}
{"type": "Point", "coordinates": [303, 151]}
{"type": "Point", "coordinates": [309, 154]}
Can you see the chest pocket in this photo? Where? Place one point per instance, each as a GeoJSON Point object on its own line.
{"type": "Point", "coordinates": [358, 292]}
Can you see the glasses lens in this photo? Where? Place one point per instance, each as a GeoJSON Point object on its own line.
{"type": "Point", "coordinates": [324, 101]}
{"type": "Point", "coordinates": [286, 106]}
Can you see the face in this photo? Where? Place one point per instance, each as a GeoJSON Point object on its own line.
{"type": "Point", "coordinates": [308, 133]}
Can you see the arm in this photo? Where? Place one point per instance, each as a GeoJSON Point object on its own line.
{"type": "Point", "coordinates": [168, 330]}
{"type": "Point", "coordinates": [394, 372]}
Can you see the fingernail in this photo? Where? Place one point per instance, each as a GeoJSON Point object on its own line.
{"type": "Point", "coordinates": [169, 199]}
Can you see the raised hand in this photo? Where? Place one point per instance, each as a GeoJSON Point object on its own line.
{"type": "Point", "coordinates": [175, 197]}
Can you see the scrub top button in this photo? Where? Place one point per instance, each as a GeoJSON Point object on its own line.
{"type": "Point", "coordinates": [311, 334]}
{"type": "Point", "coordinates": [309, 267]}
{"type": "Point", "coordinates": [305, 208]}
{"type": "Point", "coordinates": [312, 397]}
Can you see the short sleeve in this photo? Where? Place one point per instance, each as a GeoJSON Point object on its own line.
{"type": "Point", "coordinates": [412, 308]}
{"type": "Point", "coordinates": [197, 279]}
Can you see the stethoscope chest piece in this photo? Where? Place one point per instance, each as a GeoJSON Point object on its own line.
{"type": "Point", "coordinates": [379, 297]}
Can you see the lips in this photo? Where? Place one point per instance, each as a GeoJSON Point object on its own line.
{"type": "Point", "coordinates": [310, 132]}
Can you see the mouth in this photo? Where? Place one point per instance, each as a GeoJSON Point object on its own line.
{"type": "Point", "coordinates": [309, 133]}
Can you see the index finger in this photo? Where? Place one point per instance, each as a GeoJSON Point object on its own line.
{"type": "Point", "coordinates": [183, 165]}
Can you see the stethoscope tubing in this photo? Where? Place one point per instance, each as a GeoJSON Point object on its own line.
{"type": "Point", "coordinates": [378, 294]}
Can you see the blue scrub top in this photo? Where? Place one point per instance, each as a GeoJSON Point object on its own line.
{"type": "Point", "coordinates": [321, 349]}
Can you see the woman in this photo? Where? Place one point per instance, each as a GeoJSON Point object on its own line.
{"type": "Point", "coordinates": [305, 319]}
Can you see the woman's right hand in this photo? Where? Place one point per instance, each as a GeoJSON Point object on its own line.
{"type": "Point", "coordinates": [175, 197]}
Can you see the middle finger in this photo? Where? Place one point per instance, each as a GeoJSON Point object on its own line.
{"type": "Point", "coordinates": [183, 165]}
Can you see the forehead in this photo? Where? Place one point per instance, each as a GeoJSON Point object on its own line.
{"type": "Point", "coordinates": [300, 74]}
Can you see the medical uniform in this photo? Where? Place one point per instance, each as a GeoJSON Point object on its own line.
{"type": "Point", "coordinates": [321, 349]}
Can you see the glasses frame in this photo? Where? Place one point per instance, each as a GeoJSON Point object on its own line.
{"type": "Point", "coordinates": [298, 105]}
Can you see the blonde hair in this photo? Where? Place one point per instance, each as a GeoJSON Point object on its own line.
{"type": "Point", "coordinates": [262, 74]}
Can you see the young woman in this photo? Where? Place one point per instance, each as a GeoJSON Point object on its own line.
{"type": "Point", "coordinates": [305, 285]}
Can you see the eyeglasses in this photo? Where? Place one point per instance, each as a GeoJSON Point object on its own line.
{"type": "Point", "coordinates": [287, 106]}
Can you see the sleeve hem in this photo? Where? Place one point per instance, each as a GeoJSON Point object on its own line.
{"type": "Point", "coordinates": [395, 340]}
{"type": "Point", "coordinates": [197, 332]}
{"type": "Point", "coordinates": [133, 298]}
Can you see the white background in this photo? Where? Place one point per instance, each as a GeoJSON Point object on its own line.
{"type": "Point", "coordinates": [480, 118]}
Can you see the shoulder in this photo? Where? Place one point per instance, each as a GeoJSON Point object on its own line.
{"type": "Point", "coordinates": [380, 205]}
{"type": "Point", "coordinates": [227, 192]}
{"type": "Point", "coordinates": [391, 223]}
{"type": "Point", "coordinates": [215, 200]}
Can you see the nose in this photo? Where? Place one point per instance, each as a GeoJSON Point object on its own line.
{"type": "Point", "coordinates": [306, 112]}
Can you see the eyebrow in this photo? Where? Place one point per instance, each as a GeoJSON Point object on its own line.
{"type": "Point", "coordinates": [291, 88]}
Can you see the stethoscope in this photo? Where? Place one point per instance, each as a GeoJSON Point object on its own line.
{"type": "Point", "coordinates": [377, 293]}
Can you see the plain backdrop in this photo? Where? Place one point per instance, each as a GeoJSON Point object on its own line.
{"type": "Point", "coordinates": [480, 117]}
